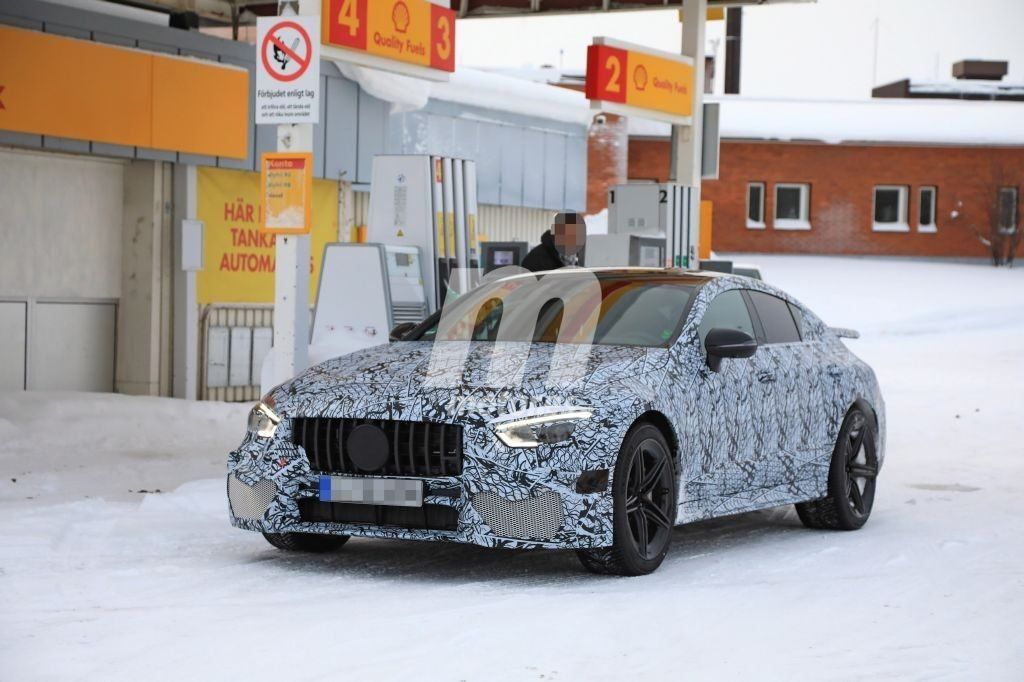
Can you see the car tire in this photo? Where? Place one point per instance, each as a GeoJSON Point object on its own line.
{"type": "Point", "coordinates": [851, 478]}
{"type": "Point", "coordinates": [644, 496]}
{"type": "Point", "coordinates": [306, 542]}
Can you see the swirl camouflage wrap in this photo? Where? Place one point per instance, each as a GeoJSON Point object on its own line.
{"type": "Point", "coordinates": [757, 433]}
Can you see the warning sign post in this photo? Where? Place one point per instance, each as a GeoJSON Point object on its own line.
{"type": "Point", "coordinates": [287, 70]}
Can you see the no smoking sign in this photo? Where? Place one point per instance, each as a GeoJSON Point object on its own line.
{"type": "Point", "coordinates": [287, 70]}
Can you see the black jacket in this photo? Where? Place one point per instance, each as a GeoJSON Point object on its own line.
{"type": "Point", "coordinates": [545, 255]}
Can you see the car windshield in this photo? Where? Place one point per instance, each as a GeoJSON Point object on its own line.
{"type": "Point", "coordinates": [581, 307]}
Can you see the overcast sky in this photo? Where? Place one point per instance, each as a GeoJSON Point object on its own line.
{"type": "Point", "coordinates": [822, 50]}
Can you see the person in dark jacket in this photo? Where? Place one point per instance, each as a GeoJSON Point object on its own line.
{"type": "Point", "coordinates": [563, 245]}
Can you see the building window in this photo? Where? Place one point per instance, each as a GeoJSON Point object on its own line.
{"type": "Point", "coordinates": [926, 209]}
{"type": "Point", "coordinates": [1007, 207]}
{"type": "Point", "coordinates": [755, 205]}
{"type": "Point", "coordinates": [792, 207]}
{"type": "Point", "coordinates": [890, 209]}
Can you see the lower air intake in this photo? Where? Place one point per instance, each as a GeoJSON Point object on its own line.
{"type": "Point", "coordinates": [535, 518]}
{"type": "Point", "coordinates": [250, 502]}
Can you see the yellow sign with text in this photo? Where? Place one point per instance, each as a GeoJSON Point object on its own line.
{"type": "Point", "coordinates": [286, 185]}
{"type": "Point", "coordinates": [239, 256]}
{"type": "Point", "coordinates": [660, 84]}
{"type": "Point", "coordinates": [418, 32]}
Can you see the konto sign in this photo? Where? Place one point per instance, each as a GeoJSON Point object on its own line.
{"type": "Point", "coordinates": [414, 32]}
{"type": "Point", "coordinates": [287, 70]}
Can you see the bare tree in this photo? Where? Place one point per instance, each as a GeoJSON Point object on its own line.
{"type": "Point", "coordinates": [1008, 220]}
{"type": "Point", "coordinates": [997, 226]}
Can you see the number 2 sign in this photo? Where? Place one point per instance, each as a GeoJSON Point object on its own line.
{"type": "Point", "coordinates": [412, 32]}
{"type": "Point", "coordinates": [630, 79]}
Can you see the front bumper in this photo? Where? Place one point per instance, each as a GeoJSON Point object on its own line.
{"type": "Point", "coordinates": [271, 488]}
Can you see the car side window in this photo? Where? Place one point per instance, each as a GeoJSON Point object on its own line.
{"type": "Point", "coordinates": [728, 310]}
{"type": "Point", "coordinates": [798, 317]}
{"type": "Point", "coordinates": [776, 318]}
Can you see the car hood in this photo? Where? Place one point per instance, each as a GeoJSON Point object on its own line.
{"type": "Point", "coordinates": [403, 380]}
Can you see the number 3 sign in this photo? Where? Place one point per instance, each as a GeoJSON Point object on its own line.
{"type": "Point", "coordinates": [380, 33]}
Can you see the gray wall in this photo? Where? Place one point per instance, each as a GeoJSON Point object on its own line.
{"type": "Point", "coordinates": [521, 161]}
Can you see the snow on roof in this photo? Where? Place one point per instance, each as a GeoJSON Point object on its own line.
{"type": "Point", "coordinates": [879, 120]}
{"type": "Point", "coordinates": [982, 88]}
{"type": "Point", "coordinates": [908, 121]}
{"type": "Point", "coordinates": [474, 88]}
{"type": "Point", "coordinates": [505, 93]}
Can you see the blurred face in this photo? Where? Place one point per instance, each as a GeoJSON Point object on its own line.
{"type": "Point", "coordinates": [570, 233]}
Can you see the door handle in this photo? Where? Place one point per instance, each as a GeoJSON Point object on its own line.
{"type": "Point", "coordinates": [766, 377]}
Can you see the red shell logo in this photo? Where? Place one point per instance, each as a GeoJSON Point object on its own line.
{"type": "Point", "coordinates": [400, 16]}
{"type": "Point", "coordinates": [640, 77]}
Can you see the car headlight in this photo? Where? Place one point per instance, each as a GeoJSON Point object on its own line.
{"type": "Point", "coordinates": [532, 428]}
{"type": "Point", "coordinates": [263, 420]}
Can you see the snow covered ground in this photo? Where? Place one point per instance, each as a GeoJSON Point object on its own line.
{"type": "Point", "coordinates": [101, 581]}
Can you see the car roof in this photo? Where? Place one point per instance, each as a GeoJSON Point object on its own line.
{"type": "Point", "coordinates": [675, 274]}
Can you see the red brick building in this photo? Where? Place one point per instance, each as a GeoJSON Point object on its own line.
{"type": "Point", "coordinates": [892, 177]}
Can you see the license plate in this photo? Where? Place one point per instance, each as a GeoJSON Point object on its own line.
{"type": "Point", "coordinates": [392, 492]}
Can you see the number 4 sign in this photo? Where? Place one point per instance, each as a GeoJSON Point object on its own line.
{"type": "Point", "coordinates": [415, 37]}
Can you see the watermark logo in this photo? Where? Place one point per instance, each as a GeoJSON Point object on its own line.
{"type": "Point", "coordinates": [515, 312]}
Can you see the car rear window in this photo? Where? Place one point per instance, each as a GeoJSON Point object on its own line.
{"type": "Point", "coordinates": [776, 318]}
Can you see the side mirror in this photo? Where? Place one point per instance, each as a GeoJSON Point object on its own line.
{"type": "Point", "coordinates": [727, 343]}
{"type": "Point", "coordinates": [400, 330]}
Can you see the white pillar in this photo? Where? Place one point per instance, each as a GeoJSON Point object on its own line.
{"type": "Point", "coordinates": [688, 139]}
{"type": "Point", "coordinates": [291, 270]}
{"type": "Point", "coordinates": [185, 375]}
{"type": "Point", "coordinates": [141, 347]}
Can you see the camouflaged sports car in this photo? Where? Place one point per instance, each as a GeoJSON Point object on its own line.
{"type": "Point", "coordinates": [590, 410]}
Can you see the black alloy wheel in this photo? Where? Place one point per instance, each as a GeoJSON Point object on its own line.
{"type": "Point", "coordinates": [851, 480]}
{"type": "Point", "coordinates": [649, 502]}
{"type": "Point", "coordinates": [644, 501]}
{"type": "Point", "coordinates": [861, 468]}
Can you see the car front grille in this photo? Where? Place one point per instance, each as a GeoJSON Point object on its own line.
{"type": "Point", "coordinates": [427, 517]}
{"type": "Point", "coordinates": [416, 449]}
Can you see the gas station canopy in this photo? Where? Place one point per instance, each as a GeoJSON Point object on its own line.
{"type": "Point", "coordinates": [504, 8]}
{"type": "Point", "coordinates": [223, 11]}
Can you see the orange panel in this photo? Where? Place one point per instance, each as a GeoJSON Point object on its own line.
{"type": "Point", "coordinates": [200, 108]}
{"type": "Point", "coordinates": [657, 83]}
{"type": "Point", "coordinates": [83, 90]}
{"type": "Point", "coordinates": [706, 214]}
{"type": "Point", "coordinates": [73, 88]}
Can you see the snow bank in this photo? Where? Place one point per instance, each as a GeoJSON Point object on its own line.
{"type": "Point", "coordinates": [62, 446]}
{"type": "Point", "coordinates": [899, 296]}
